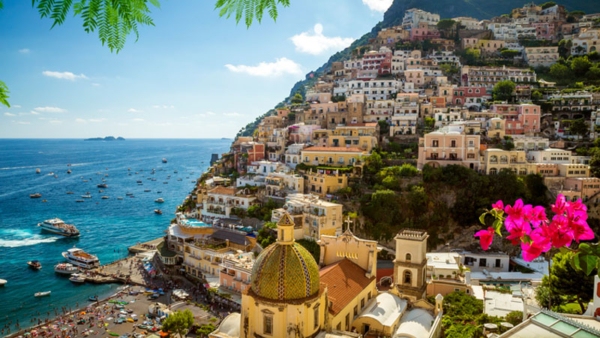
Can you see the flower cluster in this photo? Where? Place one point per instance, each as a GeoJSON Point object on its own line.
{"type": "Point", "coordinates": [530, 227]}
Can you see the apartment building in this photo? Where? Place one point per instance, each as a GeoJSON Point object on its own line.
{"type": "Point", "coordinates": [413, 17]}
{"type": "Point", "coordinates": [325, 182]}
{"type": "Point", "coordinates": [332, 156]}
{"type": "Point", "coordinates": [488, 77]}
{"type": "Point", "coordinates": [520, 118]}
{"type": "Point", "coordinates": [236, 271]}
{"type": "Point", "coordinates": [449, 145]}
{"type": "Point", "coordinates": [220, 201]}
{"type": "Point", "coordinates": [541, 56]}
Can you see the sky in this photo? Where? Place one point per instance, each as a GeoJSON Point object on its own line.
{"type": "Point", "coordinates": [192, 75]}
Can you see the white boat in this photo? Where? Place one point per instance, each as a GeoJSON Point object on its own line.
{"type": "Point", "coordinates": [77, 278]}
{"type": "Point", "coordinates": [37, 171]}
{"type": "Point", "coordinates": [3, 282]}
{"type": "Point", "coordinates": [159, 200]}
{"type": "Point", "coordinates": [43, 294]}
{"type": "Point", "coordinates": [105, 197]}
{"type": "Point", "coordinates": [86, 196]}
{"type": "Point", "coordinates": [57, 226]}
{"type": "Point", "coordinates": [164, 160]}
{"type": "Point", "coordinates": [80, 258]}
{"type": "Point", "coordinates": [65, 269]}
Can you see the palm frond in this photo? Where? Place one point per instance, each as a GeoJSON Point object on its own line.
{"type": "Point", "coordinates": [114, 20]}
{"type": "Point", "coordinates": [249, 9]}
{"type": "Point", "coordinates": [4, 94]}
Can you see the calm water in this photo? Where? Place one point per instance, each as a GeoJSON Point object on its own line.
{"type": "Point", "coordinates": [107, 227]}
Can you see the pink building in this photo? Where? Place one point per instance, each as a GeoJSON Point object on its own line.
{"type": "Point", "coordinates": [520, 118]}
{"type": "Point", "coordinates": [545, 30]}
{"type": "Point", "coordinates": [302, 133]}
{"type": "Point", "coordinates": [447, 146]}
{"type": "Point", "coordinates": [236, 272]}
{"type": "Point", "coordinates": [424, 32]}
{"type": "Point", "coordinates": [381, 62]}
{"type": "Point", "coordinates": [416, 76]}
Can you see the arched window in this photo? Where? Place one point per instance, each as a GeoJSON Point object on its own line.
{"type": "Point", "coordinates": [493, 171]}
{"type": "Point", "coordinates": [408, 257]}
{"type": "Point", "coordinates": [493, 159]}
{"type": "Point", "coordinates": [407, 277]}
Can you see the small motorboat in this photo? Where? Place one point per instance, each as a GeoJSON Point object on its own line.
{"type": "Point", "coordinates": [65, 269]}
{"type": "Point", "coordinates": [100, 190]}
{"type": "Point", "coordinates": [164, 160]}
{"type": "Point", "coordinates": [70, 193]}
{"type": "Point", "coordinates": [159, 200]}
{"type": "Point", "coordinates": [37, 171]}
{"type": "Point", "coordinates": [103, 185]}
{"type": "Point", "coordinates": [69, 171]}
{"type": "Point", "coordinates": [105, 197]}
{"type": "Point", "coordinates": [147, 190]}
{"type": "Point", "coordinates": [157, 211]}
{"type": "Point", "coordinates": [93, 298]}
{"type": "Point", "coordinates": [128, 194]}
{"type": "Point", "coordinates": [36, 195]}
{"type": "Point", "coordinates": [35, 265]}
{"type": "Point", "coordinates": [86, 196]}
{"type": "Point", "coordinates": [79, 201]}
{"type": "Point", "coordinates": [44, 200]}
{"type": "Point", "coordinates": [165, 182]}
{"type": "Point", "coordinates": [85, 181]}
{"type": "Point", "coordinates": [51, 174]}
{"type": "Point", "coordinates": [119, 198]}
{"type": "Point", "coordinates": [42, 294]}
{"type": "Point", "coordinates": [179, 179]}
{"type": "Point", "coordinates": [158, 192]}
{"type": "Point", "coordinates": [77, 278]}
{"type": "Point", "coordinates": [3, 282]}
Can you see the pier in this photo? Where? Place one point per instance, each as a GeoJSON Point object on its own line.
{"type": "Point", "coordinates": [146, 246]}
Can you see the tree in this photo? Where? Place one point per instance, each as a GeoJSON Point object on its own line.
{"type": "Point", "coordinates": [249, 8]}
{"type": "Point", "coordinates": [580, 65]}
{"type": "Point", "coordinates": [297, 99]}
{"type": "Point", "coordinates": [4, 94]}
{"type": "Point", "coordinates": [560, 72]}
{"type": "Point", "coordinates": [594, 56]}
{"type": "Point", "coordinates": [509, 53]}
{"type": "Point", "coordinates": [548, 4]}
{"type": "Point", "coordinates": [569, 282]}
{"type": "Point", "coordinates": [204, 330]}
{"type": "Point", "coordinates": [580, 128]}
{"type": "Point", "coordinates": [564, 48]}
{"type": "Point", "coordinates": [179, 322]}
{"type": "Point", "coordinates": [503, 90]}
{"type": "Point", "coordinates": [374, 163]}
{"type": "Point", "coordinates": [446, 24]}
{"type": "Point", "coordinates": [542, 296]}
{"type": "Point", "coordinates": [384, 127]}
{"type": "Point", "coordinates": [429, 122]}
{"type": "Point", "coordinates": [537, 96]}
{"type": "Point", "coordinates": [595, 162]}
{"type": "Point", "coordinates": [471, 55]}
{"type": "Point", "coordinates": [593, 73]}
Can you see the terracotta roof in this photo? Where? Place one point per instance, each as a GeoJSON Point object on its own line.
{"type": "Point", "coordinates": [223, 191]}
{"type": "Point", "coordinates": [334, 149]}
{"type": "Point", "coordinates": [344, 280]}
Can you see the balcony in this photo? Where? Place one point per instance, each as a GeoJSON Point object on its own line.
{"type": "Point", "coordinates": [443, 159]}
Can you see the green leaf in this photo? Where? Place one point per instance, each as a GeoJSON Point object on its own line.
{"type": "Point", "coordinates": [482, 218]}
{"type": "Point", "coordinates": [497, 225]}
{"type": "Point", "coordinates": [586, 263]}
{"type": "Point", "coordinates": [4, 94]}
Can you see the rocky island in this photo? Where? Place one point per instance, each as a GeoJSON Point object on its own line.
{"type": "Point", "coordinates": [107, 138]}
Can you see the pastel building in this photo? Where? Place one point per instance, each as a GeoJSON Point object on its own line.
{"type": "Point", "coordinates": [520, 118]}
{"type": "Point", "coordinates": [449, 145]}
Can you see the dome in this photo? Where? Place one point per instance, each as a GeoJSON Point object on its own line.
{"type": "Point", "coordinates": [285, 272]}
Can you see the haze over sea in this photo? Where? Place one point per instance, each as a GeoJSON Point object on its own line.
{"type": "Point", "coordinates": [107, 226]}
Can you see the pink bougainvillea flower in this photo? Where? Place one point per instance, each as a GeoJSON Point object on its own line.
{"type": "Point", "coordinates": [578, 206]}
{"type": "Point", "coordinates": [517, 211]}
{"type": "Point", "coordinates": [560, 231]}
{"type": "Point", "coordinates": [498, 205]}
{"type": "Point", "coordinates": [537, 215]}
{"type": "Point", "coordinates": [581, 232]}
{"type": "Point", "coordinates": [560, 206]}
{"type": "Point", "coordinates": [531, 251]}
{"type": "Point", "coordinates": [517, 229]}
{"type": "Point", "coordinates": [485, 237]}
{"type": "Point", "coordinates": [542, 236]}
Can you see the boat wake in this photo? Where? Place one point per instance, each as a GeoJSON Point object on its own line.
{"type": "Point", "coordinates": [33, 240]}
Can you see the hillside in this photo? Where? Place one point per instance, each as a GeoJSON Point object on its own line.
{"type": "Point", "coordinates": [481, 9]}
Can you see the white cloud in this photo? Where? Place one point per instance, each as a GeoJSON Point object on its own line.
{"type": "Point", "coordinates": [9, 114]}
{"type": "Point", "coordinates": [211, 113]}
{"type": "Point", "coordinates": [318, 43]}
{"type": "Point", "coordinates": [138, 120]}
{"type": "Point", "coordinates": [268, 69]}
{"type": "Point", "coordinates": [80, 120]}
{"type": "Point", "coordinates": [50, 110]}
{"type": "Point", "coordinates": [22, 122]}
{"type": "Point", "coordinates": [133, 110]}
{"type": "Point", "coordinates": [96, 84]}
{"type": "Point", "coordinates": [97, 120]}
{"type": "Point", "coordinates": [122, 124]}
{"type": "Point", "coordinates": [33, 112]}
{"type": "Point", "coordinates": [55, 122]}
{"type": "Point", "coordinates": [232, 114]}
{"type": "Point", "coordinates": [163, 106]}
{"type": "Point", "coordinates": [378, 5]}
{"type": "Point", "coordinates": [24, 51]}
{"type": "Point", "coordinates": [15, 106]}
{"type": "Point", "coordinates": [64, 75]}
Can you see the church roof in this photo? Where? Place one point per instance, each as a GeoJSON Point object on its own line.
{"type": "Point", "coordinates": [285, 272]}
{"type": "Point", "coordinates": [345, 281]}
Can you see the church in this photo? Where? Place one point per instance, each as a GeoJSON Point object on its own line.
{"type": "Point", "coordinates": [292, 295]}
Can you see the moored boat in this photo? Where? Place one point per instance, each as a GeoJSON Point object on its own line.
{"type": "Point", "coordinates": [93, 298]}
{"type": "Point", "coordinates": [35, 265]}
{"type": "Point", "coordinates": [79, 201]}
{"type": "Point", "coordinates": [164, 160]}
{"type": "Point", "coordinates": [37, 171]}
{"type": "Point", "coordinates": [42, 294]}
{"type": "Point", "coordinates": [57, 226]}
{"type": "Point", "coordinates": [3, 282]}
{"type": "Point", "coordinates": [158, 211]}
{"type": "Point", "coordinates": [69, 171]}
{"type": "Point", "coordinates": [70, 193]}
{"type": "Point", "coordinates": [147, 190]}
{"type": "Point", "coordinates": [77, 278]}
{"type": "Point", "coordinates": [103, 185]}
{"type": "Point", "coordinates": [86, 196]}
{"type": "Point", "coordinates": [105, 197]}
{"type": "Point", "coordinates": [36, 195]}
{"type": "Point", "coordinates": [159, 200]}
{"type": "Point", "coordinates": [65, 269]}
{"type": "Point", "coordinates": [80, 258]}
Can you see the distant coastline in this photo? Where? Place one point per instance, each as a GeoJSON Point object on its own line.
{"type": "Point", "coordinates": [107, 138]}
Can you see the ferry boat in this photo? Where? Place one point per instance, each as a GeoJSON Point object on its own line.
{"type": "Point", "coordinates": [57, 226]}
{"type": "Point", "coordinates": [80, 258]}
{"type": "Point", "coordinates": [103, 185]}
{"type": "Point", "coordinates": [36, 195]}
{"type": "Point", "coordinates": [35, 265]}
{"type": "Point", "coordinates": [42, 294]}
{"type": "Point", "coordinates": [164, 160]}
{"type": "Point", "coordinates": [77, 278]}
{"type": "Point", "coordinates": [159, 200]}
{"type": "Point", "coordinates": [65, 269]}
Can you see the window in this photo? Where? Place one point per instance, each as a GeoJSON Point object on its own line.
{"type": "Point", "coordinates": [407, 277]}
{"type": "Point", "coordinates": [268, 321]}
{"type": "Point", "coordinates": [355, 311]}
{"type": "Point", "coordinates": [482, 262]}
{"type": "Point", "coordinates": [435, 143]}
{"type": "Point", "coordinates": [362, 303]}
{"type": "Point", "coordinates": [348, 322]}
{"type": "Point", "coordinates": [498, 263]}
{"type": "Point", "coordinates": [408, 257]}
{"type": "Point", "coordinates": [316, 318]}
{"type": "Point", "coordinates": [453, 143]}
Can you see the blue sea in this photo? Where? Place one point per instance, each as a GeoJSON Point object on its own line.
{"type": "Point", "coordinates": [107, 226]}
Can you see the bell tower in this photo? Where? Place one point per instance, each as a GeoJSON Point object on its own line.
{"type": "Point", "coordinates": [410, 265]}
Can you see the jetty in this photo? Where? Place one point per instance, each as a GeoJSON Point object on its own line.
{"type": "Point", "coordinates": [146, 246]}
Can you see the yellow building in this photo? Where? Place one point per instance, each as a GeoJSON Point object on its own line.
{"type": "Point", "coordinates": [332, 156]}
{"type": "Point", "coordinates": [324, 182]}
{"type": "Point", "coordinates": [495, 160]}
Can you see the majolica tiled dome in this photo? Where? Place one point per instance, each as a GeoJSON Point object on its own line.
{"type": "Point", "coordinates": [285, 272]}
